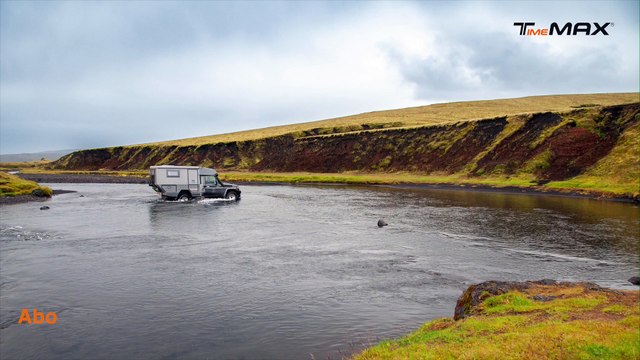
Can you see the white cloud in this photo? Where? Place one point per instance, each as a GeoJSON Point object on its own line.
{"type": "Point", "coordinates": [213, 67]}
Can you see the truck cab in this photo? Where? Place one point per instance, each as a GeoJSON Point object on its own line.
{"type": "Point", "coordinates": [188, 182]}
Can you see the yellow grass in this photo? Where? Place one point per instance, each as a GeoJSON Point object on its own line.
{"type": "Point", "coordinates": [11, 185]}
{"type": "Point", "coordinates": [427, 115]}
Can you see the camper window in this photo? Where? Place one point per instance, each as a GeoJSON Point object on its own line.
{"type": "Point", "coordinates": [173, 173]}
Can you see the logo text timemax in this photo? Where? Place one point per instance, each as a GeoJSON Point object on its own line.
{"type": "Point", "coordinates": [581, 28]}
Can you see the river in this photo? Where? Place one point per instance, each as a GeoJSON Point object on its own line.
{"type": "Point", "coordinates": [288, 272]}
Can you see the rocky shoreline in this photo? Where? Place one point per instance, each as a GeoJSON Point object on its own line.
{"type": "Point", "coordinates": [10, 200]}
{"type": "Point", "coordinates": [20, 199]}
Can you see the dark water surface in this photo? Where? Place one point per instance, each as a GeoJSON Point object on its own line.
{"type": "Point", "coordinates": [287, 272]}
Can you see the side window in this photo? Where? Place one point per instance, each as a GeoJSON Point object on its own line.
{"type": "Point", "coordinates": [210, 180]}
{"type": "Point", "coordinates": [173, 173]}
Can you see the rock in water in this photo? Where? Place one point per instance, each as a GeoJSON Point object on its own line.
{"type": "Point", "coordinates": [635, 280]}
{"type": "Point", "coordinates": [38, 193]}
{"type": "Point", "coordinates": [382, 223]}
{"type": "Point", "coordinates": [44, 208]}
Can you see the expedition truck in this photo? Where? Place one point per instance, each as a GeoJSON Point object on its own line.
{"type": "Point", "coordinates": [188, 182]}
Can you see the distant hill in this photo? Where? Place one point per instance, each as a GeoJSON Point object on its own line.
{"type": "Point", "coordinates": [26, 157]}
{"type": "Point", "coordinates": [585, 141]}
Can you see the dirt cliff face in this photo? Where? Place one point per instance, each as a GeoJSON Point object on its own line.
{"type": "Point", "coordinates": [552, 146]}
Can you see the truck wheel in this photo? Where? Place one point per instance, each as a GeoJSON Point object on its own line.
{"type": "Point", "coordinates": [184, 196]}
{"type": "Point", "coordinates": [231, 195]}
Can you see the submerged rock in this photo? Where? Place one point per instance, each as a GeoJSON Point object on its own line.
{"type": "Point", "coordinates": [44, 207]}
{"type": "Point", "coordinates": [382, 223]}
{"type": "Point", "coordinates": [635, 280]}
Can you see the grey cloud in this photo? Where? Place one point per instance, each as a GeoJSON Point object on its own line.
{"type": "Point", "coordinates": [87, 74]}
{"type": "Point", "coordinates": [501, 63]}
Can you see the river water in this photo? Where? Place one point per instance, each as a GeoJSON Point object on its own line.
{"type": "Point", "coordinates": [289, 272]}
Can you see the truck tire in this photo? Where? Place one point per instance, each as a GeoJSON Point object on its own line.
{"type": "Point", "coordinates": [184, 196]}
{"type": "Point", "coordinates": [231, 195]}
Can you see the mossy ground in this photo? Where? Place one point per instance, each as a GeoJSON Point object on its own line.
{"type": "Point", "coordinates": [619, 172]}
{"type": "Point", "coordinates": [11, 185]}
{"type": "Point", "coordinates": [575, 324]}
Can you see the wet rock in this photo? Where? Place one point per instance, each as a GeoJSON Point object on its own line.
{"type": "Point", "coordinates": [44, 207]}
{"type": "Point", "coordinates": [382, 223]}
{"type": "Point", "coordinates": [38, 193]}
{"type": "Point", "coordinates": [546, 282]}
{"type": "Point", "coordinates": [81, 195]}
{"type": "Point", "coordinates": [635, 280]}
{"type": "Point", "coordinates": [476, 294]}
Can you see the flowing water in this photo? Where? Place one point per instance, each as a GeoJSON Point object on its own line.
{"type": "Point", "coordinates": [288, 272]}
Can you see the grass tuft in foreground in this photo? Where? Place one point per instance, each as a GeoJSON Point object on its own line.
{"type": "Point", "coordinates": [11, 185]}
{"type": "Point", "coordinates": [543, 322]}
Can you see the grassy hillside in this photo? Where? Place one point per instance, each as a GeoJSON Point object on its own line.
{"type": "Point", "coordinates": [11, 185]}
{"type": "Point", "coordinates": [589, 142]}
{"type": "Point", "coordinates": [618, 172]}
{"type": "Point", "coordinates": [435, 114]}
{"type": "Point", "coordinates": [560, 321]}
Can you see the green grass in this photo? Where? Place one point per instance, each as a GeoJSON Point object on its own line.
{"type": "Point", "coordinates": [523, 180]}
{"type": "Point", "coordinates": [618, 172]}
{"type": "Point", "coordinates": [514, 326]}
{"type": "Point", "coordinates": [11, 185]}
{"type": "Point", "coordinates": [515, 302]}
{"type": "Point", "coordinates": [375, 178]}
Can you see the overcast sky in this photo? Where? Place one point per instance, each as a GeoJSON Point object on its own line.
{"type": "Point", "coordinates": [91, 74]}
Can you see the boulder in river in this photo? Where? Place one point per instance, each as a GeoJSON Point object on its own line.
{"type": "Point", "coordinates": [382, 223]}
{"type": "Point", "coordinates": [44, 207]}
{"type": "Point", "coordinates": [635, 280]}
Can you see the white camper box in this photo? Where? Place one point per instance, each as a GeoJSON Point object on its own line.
{"type": "Point", "coordinates": [186, 182]}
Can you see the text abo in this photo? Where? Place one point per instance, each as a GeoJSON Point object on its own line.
{"type": "Point", "coordinates": [38, 317]}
